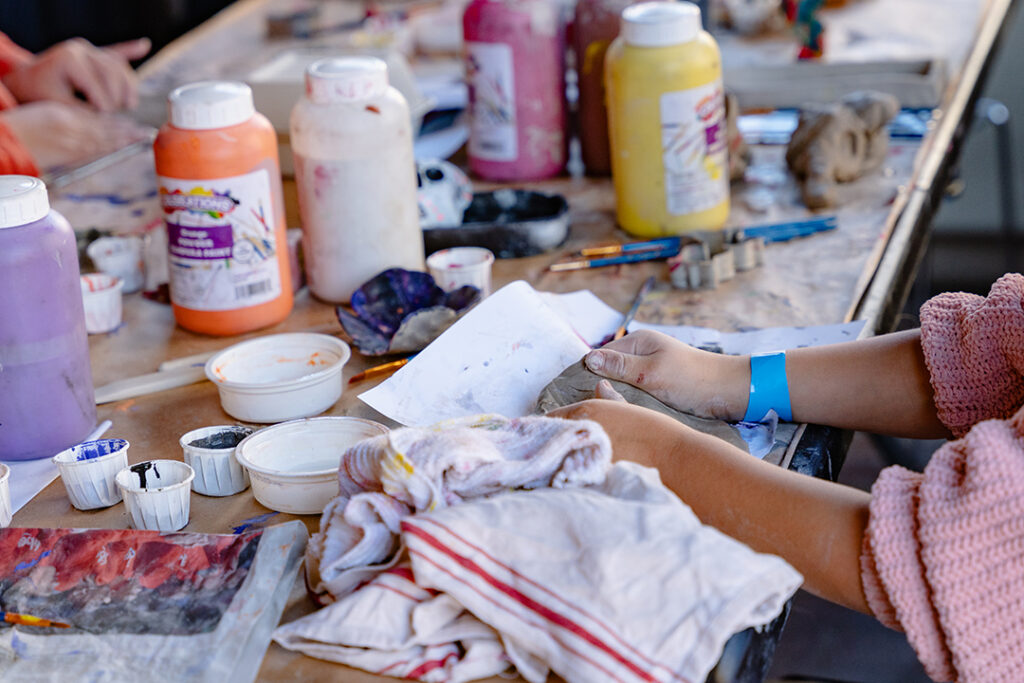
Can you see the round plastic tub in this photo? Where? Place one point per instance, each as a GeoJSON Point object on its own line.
{"type": "Point", "coordinates": [293, 467]}
{"type": "Point", "coordinates": [279, 377]}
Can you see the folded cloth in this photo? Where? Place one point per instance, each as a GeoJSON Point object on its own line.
{"type": "Point", "coordinates": [386, 478]}
{"type": "Point", "coordinates": [618, 581]}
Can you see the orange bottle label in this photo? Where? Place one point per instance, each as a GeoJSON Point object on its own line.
{"type": "Point", "coordinates": [221, 241]}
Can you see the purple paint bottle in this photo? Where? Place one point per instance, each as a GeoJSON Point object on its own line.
{"type": "Point", "coordinates": [46, 395]}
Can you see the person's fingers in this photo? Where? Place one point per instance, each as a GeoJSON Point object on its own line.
{"type": "Point", "coordinates": [85, 76]}
{"type": "Point", "coordinates": [131, 50]}
{"type": "Point", "coordinates": [605, 390]}
{"type": "Point", "coordinates": [119, 79]}
{"type": "Point", "coordinates": [625, 367]}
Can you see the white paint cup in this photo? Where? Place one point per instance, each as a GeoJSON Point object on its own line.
{"type": "Point", "coordinates": [458, 266]}
{"type": "Point", "coordinates": [210, 451]}
{"type": "Point", "coordinates": [5, 496]}
{"type": "Point", "coordinates": [120, 256]}
{"type": "Point", "coordinates": [101, 297]}
{"type": "Point", "coordinates": [157, 493]}
{"type": "Point", "coordinates": [88, 472]}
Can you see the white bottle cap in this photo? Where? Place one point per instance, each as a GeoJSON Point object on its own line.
{"type": "Point", "coordinates": [658, 24]}
{"type": "Point", "coordinates": [344, 79]}
{"type": "Point", "coordinates": [210, 104]}
{"type": "Point", "coordinates": [23, 200]}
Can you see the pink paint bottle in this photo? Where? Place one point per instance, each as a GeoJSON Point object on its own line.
{"type": "Point", "coordinates": [515, 68]}
{"type": "Point", "coordinates": [46, 395]}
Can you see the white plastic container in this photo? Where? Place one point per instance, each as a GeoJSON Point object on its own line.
{"type": "Point", "coordinates": [279, 377]}
{"type": "Point", "coordinates": [356, 176]}
{"type": "Point", "coordinates": [120, 256]}
{"type": "Point", "coordinates": [5, 496]}
{"type": "Point", "coordinates": [293, 466]}
{"type": "Point", "coordinates": [210, 451]}
{"type": "Point", "coordinates": [88, 471]}
{"type": "Point", "coordinates": [459, 266]}
{"type": "Point", "coordinates": [101, 297]}
{"type": "Point", "coordinates": [156, 493]}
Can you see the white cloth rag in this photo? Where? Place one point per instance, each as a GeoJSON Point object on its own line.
{"type": "Point", "coordinates": [618, 581]}
{"type": "Point", "coordinates": [384, 479]}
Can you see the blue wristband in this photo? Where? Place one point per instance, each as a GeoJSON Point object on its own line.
{"type": "Point", "coordinates": [769, 389]}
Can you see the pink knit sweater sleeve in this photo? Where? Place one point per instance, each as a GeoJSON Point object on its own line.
{"type": "Point", "coordinates": [943, 554]}
{"type": "Point", "coordinates": [974, 348]}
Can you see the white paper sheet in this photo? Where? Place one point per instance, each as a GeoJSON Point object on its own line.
{"type": "Point", "coordinates": [757, 341]}
{"type": "Point", "coordinates": [496, 359]}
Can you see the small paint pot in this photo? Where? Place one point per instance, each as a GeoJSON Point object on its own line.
{"type": "Point", "coordinates": [156, 493]}
{"type": "Point", "coordinates": [293, 466]}
{"type": "Point", "coordinates": [5, 496]}
{"type": "Point", "coordinates": [101, 296]}
{"type": "Point", "coordinates": [88, 472]}
{"type": "Point", "coordinates": [279, 377]}
{"type": "Point", "coordinates": [459, 266]}
{"type": "Point", "coordinates": [120, 256]}
{"type": "Point", "coordinates": [210, 451]}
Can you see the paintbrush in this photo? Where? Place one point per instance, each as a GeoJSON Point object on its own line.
{"type": "Point", "coordinates": [29, 620]}
{"type": "Point", "coordinates": [634, 257]}
{"type": "Point", "coordinates": [377, 371]}
{"type": "Point", "coordinates": [663, 243]}
{"type": "Point", "coordinates": [780, 232]}
{"type": "Point", "coordinates": [620, 331]}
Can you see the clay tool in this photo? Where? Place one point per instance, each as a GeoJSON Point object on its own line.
{"type": "Point", "coordinates": [377, 371]}
{"type": "Point", "coordinates": [631, 247]}
{"type": "Point", "coordinates": [635, 257]}
{"type": "Point", "coordinates": [781, 232]}
{"type": "Point", "coordinates": [29, 620]}
{"type": "Point", "coordinates": [149, 383]}
{"type": "Point", "coordinates": [620, 331]}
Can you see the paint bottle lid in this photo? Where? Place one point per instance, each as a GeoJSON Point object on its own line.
{"type": "Point", "coordinates": [345, 79]}
{"type": "Point", "coordinates": [23, 200]}
{"type": "Point", "coordinates": [659, 24]}
{"type": "Point", "coordinates": [210, 104]}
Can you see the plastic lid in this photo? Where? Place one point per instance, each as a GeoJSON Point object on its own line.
{"type": "Point", "coordinates": [657, 24]}
{"type": "Point", "coordinates": [23, 200]}
{"type": "Point", "coordinates": [344, 79]}
{"type": "Point", "coordinates": [210, 104]}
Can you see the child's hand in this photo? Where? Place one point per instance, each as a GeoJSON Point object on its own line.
{"type": "Point", "coordinates": [688, 379]}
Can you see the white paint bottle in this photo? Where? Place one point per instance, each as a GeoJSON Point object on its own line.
{"type": "Point", "coordinates": [356, 176]}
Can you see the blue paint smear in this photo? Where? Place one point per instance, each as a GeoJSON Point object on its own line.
{"type": "Point", "coordinates": [31, 563]}
{"type": "Point", "coordinates": [20, 647]}
{"type": "Point", "coordinates": [115, 199]}
{"type": "Point", "coordinates": [96, 449]}
{"type": "Point", "coordinates": [254, 521]}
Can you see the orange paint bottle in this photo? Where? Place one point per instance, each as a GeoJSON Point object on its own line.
{"type": "Point", "coordinates": [220, 188]}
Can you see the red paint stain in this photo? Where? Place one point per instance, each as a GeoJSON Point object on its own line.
{"type": "Point", "coordinates": [640, 378]}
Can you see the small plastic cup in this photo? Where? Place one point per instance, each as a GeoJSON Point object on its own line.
{"type": "Point", "coordinates": [210, 451]}
{"type": "Point", "coordinates": [88, 472]}
{"type": "Point", "coordinates": [120, 256]}
{"type": "Point", "coordinates": [5, 496]}
{"type": "Point", "coordinates": [101, 296]}
{"type": "Point", "coordinates": [156, 493]}
{"type": "Point", "coordinates": [458, 266]}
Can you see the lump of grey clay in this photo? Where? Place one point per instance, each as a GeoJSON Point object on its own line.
{"type": "Point", "coordinates": [839, 142]}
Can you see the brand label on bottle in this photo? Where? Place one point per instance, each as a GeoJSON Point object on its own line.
{"type": "Point", "coordinates": [220, 238]}
{"type": "Point", "coordinates": [491, 79]}
{"type": "Point", "coordinates": [694, 149]}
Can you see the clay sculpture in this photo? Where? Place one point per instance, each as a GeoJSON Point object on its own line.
{"type": "Point", "coordinates": [839, 142]}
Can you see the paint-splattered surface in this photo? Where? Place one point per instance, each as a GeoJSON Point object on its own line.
{"type": "Point", "coordinates": [144, 605]}
{"type": "Point", "coordinates": [124, 581]}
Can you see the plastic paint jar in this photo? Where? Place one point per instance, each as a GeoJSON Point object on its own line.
{"type": "Point", "coordinates": [515, 69]}
{"type": "Point", "coordinates": [220, 188]}
{"type": "Point", "coordinates": [666, 114]}
{"type": "Point", "coordinates": [356, 176]}
{"type": "Point", "coordinates": [46, 395]}
{"type": "Point", "coordinates": [595, 26]}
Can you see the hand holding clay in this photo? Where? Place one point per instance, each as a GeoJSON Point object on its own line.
{"type": "Point", "coordinates": [76, 67]}
{"type": "Point", "coordinates": [62, 134]}
{"type": "Point", "coordinates": [690, 380]}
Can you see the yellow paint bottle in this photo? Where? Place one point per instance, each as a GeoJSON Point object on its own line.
{"type": "Point", "coordinates": [666, 122]}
